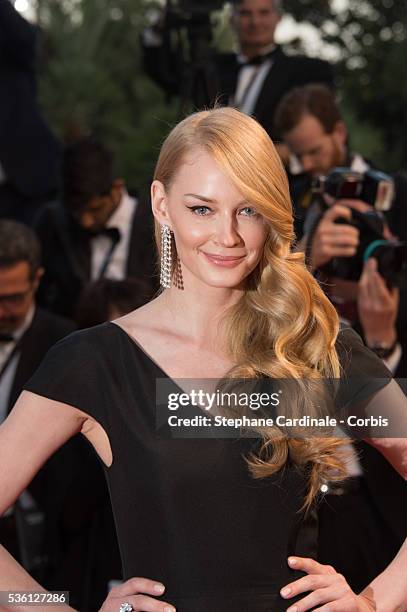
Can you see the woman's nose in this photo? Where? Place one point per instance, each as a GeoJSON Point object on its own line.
{"type": "Point", "coordinates": [226, 232]}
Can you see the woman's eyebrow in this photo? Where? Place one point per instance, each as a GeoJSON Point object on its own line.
{"type": "Point", "coordinates": [200, 197]}
{"type": "Point", "coordinates": [209, 201]}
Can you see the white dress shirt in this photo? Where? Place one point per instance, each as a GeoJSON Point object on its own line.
{"type": "Point", "coordinates": [122, 219]}
{"type": "Point", "coordinates": [250, 82]}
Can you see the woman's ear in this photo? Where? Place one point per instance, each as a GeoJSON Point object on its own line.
{"type": "Point", "coordinates": [159, 203]}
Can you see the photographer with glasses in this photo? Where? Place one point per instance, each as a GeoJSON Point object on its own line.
{"type": "Point", "coordinates": [26, 334]}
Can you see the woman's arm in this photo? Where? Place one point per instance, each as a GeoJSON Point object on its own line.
{"type": "Point", "coordinates": [328, 591]}
{"type": "Point", "coordinates": [34, 430]}
{"type": "Point", "coordinates": [391, 403]}
{"type": "Point", "coordinates": [394, 450]}
{"type": "Point", "coordinates": [389, 589]}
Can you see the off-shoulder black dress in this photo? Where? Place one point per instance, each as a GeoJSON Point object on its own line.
{"type": "Point", "coordinates": [187, 511]}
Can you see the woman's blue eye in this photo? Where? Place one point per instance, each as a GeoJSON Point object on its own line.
{"type": "Point", "coordinates": [203, 211]}
{"type": "Point", "coordinates": [199, 210]}
{"type": "Point", "coordinates": [251, 212]}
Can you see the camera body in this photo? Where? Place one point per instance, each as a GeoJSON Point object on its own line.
{"type": "Point", "coordinates": [188, 30]}
{"type": "Point", "coordinates": [391, 256]}
{"type": "Point", "coordinates": [376, 189]}
{"type": "Point", "coordinates": [190, 13]}
{"type": "Point", "coordinates": [197, 6]}
{"type": "Point", "coordinates": [373, 187]}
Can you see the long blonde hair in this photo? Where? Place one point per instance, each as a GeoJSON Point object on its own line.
{"type": "Point", "coordinates": [283, 326]}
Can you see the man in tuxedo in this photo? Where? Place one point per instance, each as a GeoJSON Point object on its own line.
{"type": "Point", "coordinates": [97, 231]}
{"type": "Point", "coordinates": [254, 79]}
{"type": "Point", "coordinates": [26, 334]}
{"type": "Point", "coordinates": [51, 529]}
{"type": "Point", "coordinates": [29, 153]}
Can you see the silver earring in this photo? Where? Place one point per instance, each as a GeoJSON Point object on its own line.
{"type": "Point", "coordinates": [178, 281]}
{"type": "Point", "coordinates": [166, 257]}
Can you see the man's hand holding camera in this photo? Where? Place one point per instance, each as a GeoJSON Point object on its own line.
{"type": "Point", "coordinates": [377, 303]}
{"type": "Point", "coordinates": [332, 239]}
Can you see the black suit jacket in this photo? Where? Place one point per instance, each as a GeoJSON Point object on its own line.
{"type": "Point", "coordinates": [286, 72]}
{"type": "Point", "coordinates": [29, 153]}
{"type": "Point", "coordinates": [66, 250]}
{"type": "Point", "coordinates": [45, 330]}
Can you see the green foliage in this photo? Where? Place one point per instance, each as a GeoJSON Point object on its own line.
{"type": "Point", "coordinates": [377, 84]}
{"type": "Point", "coordinates": [92, 81]}
{"type": "Point", "coordinates": [371, 37]}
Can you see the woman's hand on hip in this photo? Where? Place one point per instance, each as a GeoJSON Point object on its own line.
{"type": "Point", "coordinates": [327, 590]}
{"type": "Point", "coordinates": [140, 594]}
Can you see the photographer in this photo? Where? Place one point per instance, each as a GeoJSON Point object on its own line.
{"type": "Point", "coordinates": [253, 80]}
{"type": "Point", "coordinates": [337, 231]}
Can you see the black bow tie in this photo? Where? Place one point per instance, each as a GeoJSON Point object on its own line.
{"type": "Point", "coordinates": [6, 338]}
{"type": "Point", "coordinates": [111, 232]}
{"type": "Point", "coordinates": [257, 60]}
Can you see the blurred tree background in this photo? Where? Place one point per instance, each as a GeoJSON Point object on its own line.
{"type": "Point", "coordinates": [371, 40]}
{"type": "Point", "coordinates": [91, 80]}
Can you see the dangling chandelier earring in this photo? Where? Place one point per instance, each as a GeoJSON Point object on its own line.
{"type": "Point", "coordinates": [178, 281]}
{"type": "Point", "coordinates": [166, 257]}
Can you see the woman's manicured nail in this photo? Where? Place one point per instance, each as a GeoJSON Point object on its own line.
{"type": "Point", "coordinates": [159, 588]}
{"type": "Point", "coordinates": [286, 591]}
{"type": "Point", "coordinates": [292, 561]}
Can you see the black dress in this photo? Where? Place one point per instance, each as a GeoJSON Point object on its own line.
{"type": "Point", "coordinates": [187, 511]}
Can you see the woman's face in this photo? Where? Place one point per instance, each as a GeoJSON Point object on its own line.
{"type": "Point", "coordinates": [218, 234]}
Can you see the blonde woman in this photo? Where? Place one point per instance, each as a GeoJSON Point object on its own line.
{"type": "Point", "coordinates": [212, 520]}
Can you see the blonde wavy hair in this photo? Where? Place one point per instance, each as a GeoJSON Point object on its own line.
{"type": "Point", "coordinates": [283, 326]}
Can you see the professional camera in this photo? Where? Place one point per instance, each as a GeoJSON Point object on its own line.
{"type": "Point", "coordinates": [196, 7]}
{"type": "Point", "coordinates": [191, 13]}
{"type": "Point", "coordinates": [373, 187]}
{"type": "Point", "coordinates": [376, 189]}
{"type": "Point", "coordinates": [188, 22]}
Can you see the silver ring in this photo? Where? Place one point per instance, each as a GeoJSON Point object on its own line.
{"type": "Point", "coordinates": [126, 607]}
